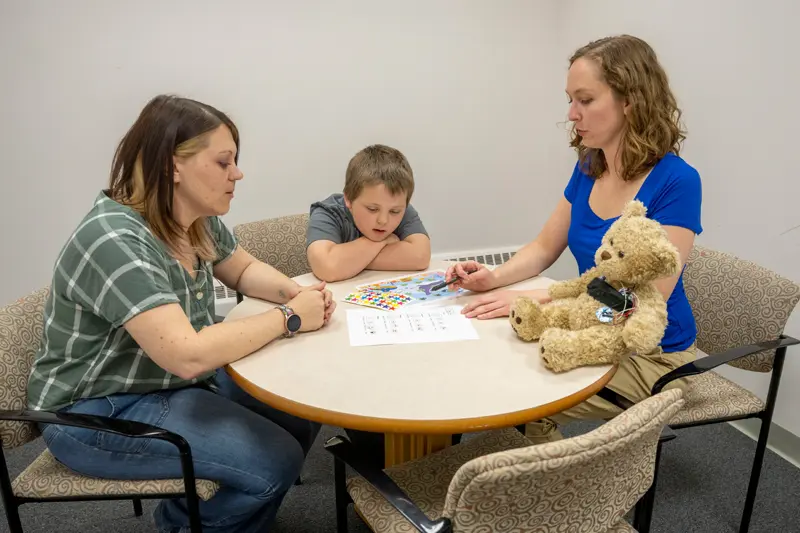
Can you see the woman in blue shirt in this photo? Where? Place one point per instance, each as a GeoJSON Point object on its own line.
{"type": "Point", "coordinates": [626, 130]}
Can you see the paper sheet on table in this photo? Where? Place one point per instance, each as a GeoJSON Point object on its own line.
{"type": "Point", "coordinates": [439, 324]}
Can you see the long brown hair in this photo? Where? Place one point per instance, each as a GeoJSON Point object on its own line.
{"type": "Point", "coordinates": [142, 174]}
{"type": "Point", "coordinates": [653, 125]}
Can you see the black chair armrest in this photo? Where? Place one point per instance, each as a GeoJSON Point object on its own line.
{"type": "Point", "coordinates": [710, 362]}
{"type": "Point", "coordinates": [623, 403]}
{"type": "Point", "coordinates": [344, 450]}
{"type": "Point", "coordinates": [127, 428]}
{"type": "Point", "coordinates": [616, 399]}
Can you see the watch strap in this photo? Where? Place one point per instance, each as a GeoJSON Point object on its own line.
{"type": "Point", "coordinates": [287, 313]}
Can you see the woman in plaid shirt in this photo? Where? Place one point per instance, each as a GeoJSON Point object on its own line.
{"type": "Point", "coordinates": [129, 326]}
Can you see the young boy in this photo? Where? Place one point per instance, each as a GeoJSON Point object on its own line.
{"type": "Point", "coordinates": [370, 226]}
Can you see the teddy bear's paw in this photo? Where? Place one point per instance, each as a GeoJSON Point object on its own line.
{"type": "Point", "coordinates": [557, 350]}
{"type": "Point", "coordinates": [526, 318]}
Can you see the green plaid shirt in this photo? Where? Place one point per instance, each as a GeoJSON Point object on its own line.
{"type": "Point", "coordinates": [111, 269]}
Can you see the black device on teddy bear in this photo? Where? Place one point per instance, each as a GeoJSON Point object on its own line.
{"type": "Point", "coordinates": [603, 292]}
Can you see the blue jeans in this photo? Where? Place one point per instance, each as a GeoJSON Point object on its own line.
{"type": "Point", "coordinates": [255, 452]}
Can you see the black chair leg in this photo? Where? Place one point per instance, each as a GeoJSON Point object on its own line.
{"type": "Point", "coordinates": [137, 506]}
{"type": "Point", "coordinates": [643, 512]}
{"type": "Point", "coordinates": [755, 475]}
{"type": "Point", "coordinates": [12, 515]}
{"type": "Point", "coordinates": [9, 501]}
{"type": "Point", "coordinates": [763, 436]}
{"type": "Point", "coordinates": [342, 497]}
{"type": "Point", "coordinates": [190, 489]}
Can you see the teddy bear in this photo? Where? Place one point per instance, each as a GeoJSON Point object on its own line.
{"type": "Point", "coordinates": [575, 329]}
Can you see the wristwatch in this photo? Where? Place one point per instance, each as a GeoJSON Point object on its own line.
{"type": "Point", "coordinates": [291, 320]}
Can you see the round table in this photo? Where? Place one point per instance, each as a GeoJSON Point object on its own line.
{"type": "Point", "coordinates": [418, 395]}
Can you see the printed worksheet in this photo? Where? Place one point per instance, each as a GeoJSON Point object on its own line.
{"type": "Point", "coordinates": [429, 324]}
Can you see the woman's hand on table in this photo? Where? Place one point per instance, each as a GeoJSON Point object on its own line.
{"type": "Point", "coordinates": [472, 276]}
{"type": "Point", "coordinates": [317, 304]}
{"type": "Point", "coordinates": [497, 304]}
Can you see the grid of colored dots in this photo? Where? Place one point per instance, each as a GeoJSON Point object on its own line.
{"type": "Point", "coordinates": [380, 300]}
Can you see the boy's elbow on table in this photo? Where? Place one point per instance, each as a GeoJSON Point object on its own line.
{"type": "Point", "coordinates": [322, 264]}
{"type": "Point", "coordinates": [422, 254]}
{"type": "Point", "coordinates": [326, 271]}
{"type": "Point", "coordinates": [326, 274]}
{"type": "Point", "coordinates": [422, 261]}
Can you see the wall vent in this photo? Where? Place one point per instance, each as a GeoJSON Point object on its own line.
{"type": "Point", "coordinates": [485, 258]}
{"type": "Point", "coordinates": [224, 298]}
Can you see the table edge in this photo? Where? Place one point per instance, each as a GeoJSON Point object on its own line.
{"type": "Point", "coordinates": [398, 425]}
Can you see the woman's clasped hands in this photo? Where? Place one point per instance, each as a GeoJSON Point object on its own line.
{"type": "Point", "coordinates": [315, 306]}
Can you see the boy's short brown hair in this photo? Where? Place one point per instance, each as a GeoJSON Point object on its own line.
{"type": "Point", "coordinates": [379, 164]}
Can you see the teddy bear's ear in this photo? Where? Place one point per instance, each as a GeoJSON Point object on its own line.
{"type": "Point", "coordinates": [634, 208]}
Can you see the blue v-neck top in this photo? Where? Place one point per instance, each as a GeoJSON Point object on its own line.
{"type": "Point", "coordinates": [672, 193]}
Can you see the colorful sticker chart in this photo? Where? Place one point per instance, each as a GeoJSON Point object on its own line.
{"type": "Point", "coordinates": [387, 301]}
{"type": "Point", "coordinates": [416, 286]}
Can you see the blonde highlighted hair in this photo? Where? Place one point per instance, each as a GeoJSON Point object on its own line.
{"type": "Point", "coordinates": [379, 164]}
{"type": "Point", "coordinates": [653, 123]}
{"type": "Point", "coordinates": [142, 174]}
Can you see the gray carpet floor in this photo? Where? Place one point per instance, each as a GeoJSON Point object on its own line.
{"type": "Point", "coordinates": [701, 488]}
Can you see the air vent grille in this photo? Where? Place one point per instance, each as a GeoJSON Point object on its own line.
{"type": "Point", "coordinates": [492, 259]}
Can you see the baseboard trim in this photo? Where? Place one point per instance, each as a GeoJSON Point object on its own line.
{"type": "Point", "coordinates": [781, 441]}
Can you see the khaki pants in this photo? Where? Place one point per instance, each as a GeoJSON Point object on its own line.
{"type": "Point", "coordinates": [634, 380]}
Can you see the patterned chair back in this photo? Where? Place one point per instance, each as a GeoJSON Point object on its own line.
{"type": "Point", "coordinates": [21, 326]}
{"type": "Point", "coordinates": [586, 483]}
{"type": "Point", "coordinates": [279, 242]}
{"type": "Point", "coordinates": [736, 302]}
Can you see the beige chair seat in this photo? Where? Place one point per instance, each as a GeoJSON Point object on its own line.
{"type": "Point", "coordinates": [426, 482]}
{"type": "Point", "coordinates": [47, 478]}
{"type": "Point", "coordinates": [710, 396]}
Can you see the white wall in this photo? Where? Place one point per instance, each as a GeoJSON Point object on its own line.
{"type": "Point", "coordinates": [735, 71]}
{"type": "Point", "coordinates": [471, 91]}
{"type": "Point", "coordinates": [468, 90]}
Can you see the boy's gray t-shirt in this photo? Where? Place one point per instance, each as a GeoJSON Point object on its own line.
{"type": "Point", "coordinates": [330, 220]}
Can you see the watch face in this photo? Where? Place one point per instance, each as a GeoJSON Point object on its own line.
{"type": "Point", "coordinates": [293, 323]}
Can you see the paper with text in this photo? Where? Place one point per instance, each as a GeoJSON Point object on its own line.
{"type": "Point", "coordinates": [440, 324]}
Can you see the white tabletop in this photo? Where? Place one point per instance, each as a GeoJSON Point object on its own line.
{"type": "Point", "coordinates": [442, 387]}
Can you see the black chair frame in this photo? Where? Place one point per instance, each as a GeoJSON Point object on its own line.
{"type": "Point", "coordinates": [704, 364]}
{"type": "Point", "coordinates": [132, 429]}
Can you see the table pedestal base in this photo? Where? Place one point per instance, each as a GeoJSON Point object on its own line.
{"type": "Point", "coordinates": [403, 447]}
